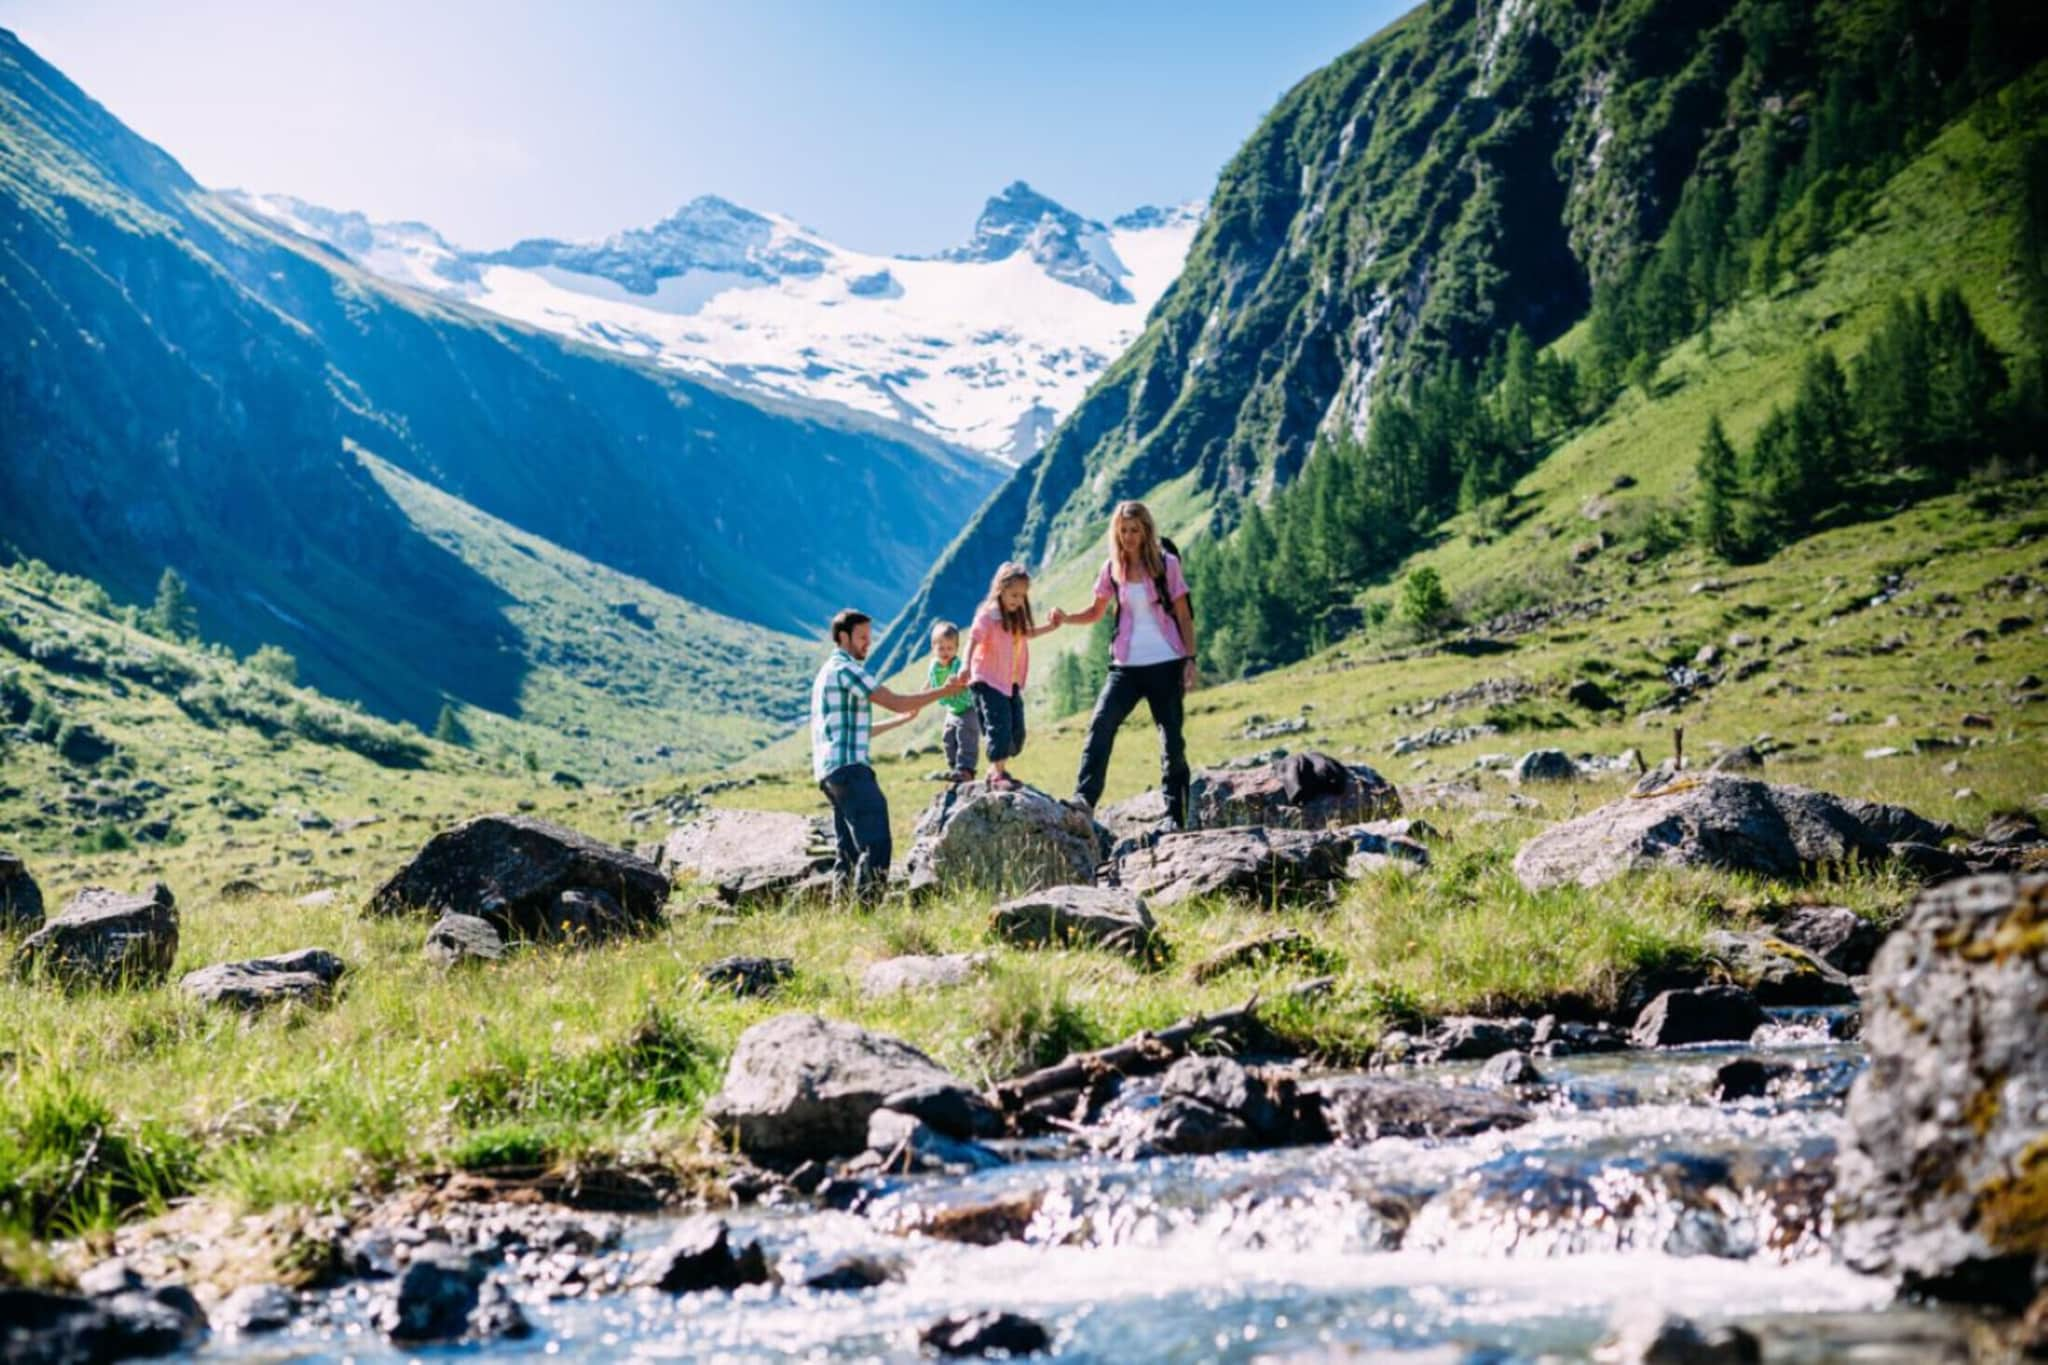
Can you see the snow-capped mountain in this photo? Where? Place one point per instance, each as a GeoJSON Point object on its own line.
{"type": "Point", "coordinates": [986, 345]}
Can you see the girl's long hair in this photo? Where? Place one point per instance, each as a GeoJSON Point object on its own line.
{"type": "Point", "coordinates": [1013, 621]}
{"type": "Point", "coordinates": [1150, 554]}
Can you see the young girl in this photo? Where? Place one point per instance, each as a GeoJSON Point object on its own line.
{"type": "Point", "coordinates": [999, 659]}
{"type": "Point", "coordinates": [963, 726]}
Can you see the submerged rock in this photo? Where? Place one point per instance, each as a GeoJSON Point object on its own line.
{"type": "Point", "coordinates": [700, 1258]}
{"type": "Point", "coordinates": [1717, 820]}
{"type": "Point", "coordinates": [1945, 1170]}
{"type": "Point", "coordinates": [1359, 1110]}
{"type": "Point", "coordinates": [1646, 1335]}
{"type": "Point", "coordinates": [799, 1086]}
{"type": "Point", "coordinates": [1711, 1014]}
{"type": "Point", "coordinates": [38, 1326]}
{"type": "Point", "coordinates": [982, 1334]}
{"type": "Point", "coordinates": [440, 1296]}
{"type": "Point", "coordinates": [1021, 839]}
{"type": "Point", "coordinates": [105, 938]}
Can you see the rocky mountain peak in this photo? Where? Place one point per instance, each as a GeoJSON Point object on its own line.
{"type": "Point", "coordinates": [1072, 249]}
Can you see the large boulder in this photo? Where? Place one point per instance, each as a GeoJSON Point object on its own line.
{"type": "Point", "coordinates": [800, 1087]}
{"type": "Point", "coordinates": [1103, 915]}
{"type": "Point", "coordinates": [1259, 864]}
{"type": "Point", "coordinates": [528, 878]}
{"type": "Point", "coordinates": [21, 900]}
{"type": "Point", "coordinates": [106, 938]}
{"type": "Point", "coordinates": [306, 976]}
{"type": "Point", "coordinates": [1737, 824]}
{"type": "Point", "coordinates": [1944, 1173]}
{"type": "Point", "coordinates": [1018, 839]}
{"type": "Point", "coordinates": [1301, 791]}
{"type": "Point", "coordinates": [751, 854]}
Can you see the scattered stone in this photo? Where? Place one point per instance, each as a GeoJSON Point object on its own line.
{"type": "Point", "coordinates": [950, 1109]}
{"type": "Point", "coordinates": [1545, 765]}
{"type": "Point", "coordinates": [1710, 1014]}
{"type": "Point", "coordinates": [1060, 916]}
{"type": "Point", "coordinates": [748, 975]}
{"type": "Point", "coordinates": [240, 889]}
{"type": "Point", "coordinates": [306, 976]}
{"type": "Point", "coordinates": [105, 938]}
{"type": "Point", "coordinates": [1835, 934]}
{"type": "Point", "coordinates": [1440, 737]}
{"type": "Point", "coordinates": [1301, 791]}
{"type": "Point", "coordinates": [751, 854]}
{"type": "Point", "coordinates": [1256, 863]}
{"type": "Point", "coordinates": [439, 1297]}
{"type": "Point", "coordinates": [1942, 1173]}
{"type": "Point", "coordinates": [1510, 1070]}
{"type": "Point", "coordinates": [21, 900]}
{"type": "Point", "coordinates": [984, 1224]}
{"type": "Point", "coordinates": [921, 973]}
{"type": "Point", "coordinates": [1743, 758]}
{"type": "Point", "coordinates": [1717, 820]}
{"type": "Point", "coordinates": [519, 873]}
{"type": "Point", "coordinates": [1365, 1109]}
{"type": "Point", "coordinates": [1464, 1037]}
{"type": "Point", "coordinates": [313, 820]}
{"type": "Point", "coordinates": [1977, 720]}
{"type": "Point", "coordinates": [318, 900]}
{"type": "Point", "coordinates": [851, 1272]}
{"type": "Point", "coordinates": [456, 939]}
{"type": "Point", "coordinates": [902, 1144]}
{"type": "Point", "coordinates": [798, 1086]}
{"type": "Point", "coordinates": [1021, 839]}
{"type": "Point", "coordinates": [1929, 862]}
{"type": "Point", "coordinates": [64, 1329]}
{"type": "Point", "coordinates": [1778, 972]}
{"type": "Point", "coordinates": [1373, 853]}
{"type": "Point", "coordinates": [255, 1309]}
{"type": "Point", "coordinates": [700, 1258]}
{"type": "Point", "coordinates": [1275, 729]}
{"type": "Point", "coordinates": [983, 1334]}
{"type": "Point", "coordinates": [83, 745]}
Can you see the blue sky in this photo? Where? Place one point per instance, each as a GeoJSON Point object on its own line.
{"type": "Point", "coordinates": [884, 126]}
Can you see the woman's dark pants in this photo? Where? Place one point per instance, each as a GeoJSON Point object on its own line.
{"type": "Point", "coordinates": [1159, 687]}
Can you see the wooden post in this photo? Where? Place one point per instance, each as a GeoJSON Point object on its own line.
{"type": "Point", "coordinates": [1678, 747]}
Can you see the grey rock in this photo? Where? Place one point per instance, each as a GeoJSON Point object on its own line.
{"type": "Point", "coordinates": [752, 855]}
{"type": "Point", "coordinates": [38, 1326]}
{"type": "Point", "coordinates": [514, 871]}
{"type": "Point", "coordinates": [700, 1258]}
{"type": "Point", "coordinates": [257, 1308]}
{"type": "Point", "coordinates": [904, 1143]}
{"type": "Point", "coordinates": [1929, 862]}
{"type": "Point", "coordinates": [1365, 1109]}
{"type": "Point", "coordinates": [1712, 820]}
{"type": "Point", "coordinates": [1466, 1037]}
{"type": "Point", "coordinates": [1220, 798]}
{"type": "Point", "coordinates": [456, 939]}
{"type": "Point", "coordinates": [21, 900]}
{"type": "Point", "coordinates": [1254, 863]}
{"type": "Point", "coordinates": [983, 1334]}
{"type": "Point", "coordinates": [799, 1087]}
{"type": "Point", "coordinates": [748, 975]}
{"type": "Point", "coordinates": [851, 1272]}
{"type": "Point", "coordinates": [953, 1110]}
{"type": "Point", "coordinates": [921, 972]}
{"type": "Point", "coordinates": [1941, 1176]}
{"type": "Point", "coordinates": [1545, 765]}
{"type": "Point", "coordinates": [1835, 934]}
{"type": "Point", "coordinates": [1748, 1078]}
{"type": "Point", "coordinates": [1281, 945]}
{"type": "Point", "coordinates": [1063, 915]}
{"type": "Point", "coordinates": [105, 938]}
{"type": "Point", "coordinates": [433, 1297]}
{"type": "Point", "coordinates": [1136, 819]}
{"type": "Point", "coordinates": [1778, 972]}
{"type": "Point", "coordinates": [1743, 758]}
{"type": "Point", "coordinates": [307, 976]}
{"type": "Point", "coordinates": [1509, 1070]}
{"type": "Point", "coordinates": [1018, 840]}
{"type": "Point", "coordinates": [1710, 1014]}
{"type": "Point", "coordinates": [1590, 695]}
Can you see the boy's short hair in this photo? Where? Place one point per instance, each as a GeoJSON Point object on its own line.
{"type": "Point", "coordinates": [845, 621]}
{"type": "Point", "coordinates": [945, 630]}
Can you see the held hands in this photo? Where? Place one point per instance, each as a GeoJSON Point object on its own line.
{"type": "Point", "coordinates": [1059, 616]}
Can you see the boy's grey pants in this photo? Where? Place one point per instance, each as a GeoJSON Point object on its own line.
{"type": "Point", "coordinates": [963, 741]}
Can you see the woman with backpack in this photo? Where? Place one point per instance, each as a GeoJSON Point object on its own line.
{"type": "Point", "coordinates": [1152, 657]}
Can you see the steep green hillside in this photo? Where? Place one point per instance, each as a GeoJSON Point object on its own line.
{"type": "Point", "coordinates": [1474, 168]}
{"type": "Point", "coordinates": [183, 386]}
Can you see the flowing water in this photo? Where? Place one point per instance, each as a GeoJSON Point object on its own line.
{"type": "Point", "coordinates": [1633, 1186]}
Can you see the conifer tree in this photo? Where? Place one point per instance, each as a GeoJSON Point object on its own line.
{"type": "Point", "coordinates": [1715, 515]}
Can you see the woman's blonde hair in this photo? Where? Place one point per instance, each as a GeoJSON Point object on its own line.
{"type": "Point", "coordinates": [1013, 621]}
{"type": "Point", "coordinates": [1151, 554]}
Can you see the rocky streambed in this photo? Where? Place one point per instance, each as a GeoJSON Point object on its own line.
{"type": "Point", "coordinates": [1694, 1182]}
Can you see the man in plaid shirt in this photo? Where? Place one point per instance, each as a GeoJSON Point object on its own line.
{"type": "Point", "coordinates": [842, 701]}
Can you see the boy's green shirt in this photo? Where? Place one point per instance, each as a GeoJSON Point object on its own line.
{"type": "Point", "coordinates": [938, 675]}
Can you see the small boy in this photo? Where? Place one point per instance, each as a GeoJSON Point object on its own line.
{"type": "Point", "coordinates": [963, 726]}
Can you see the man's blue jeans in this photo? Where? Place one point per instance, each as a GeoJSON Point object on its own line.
{"type": "Point", "coordinates": [860, 825]}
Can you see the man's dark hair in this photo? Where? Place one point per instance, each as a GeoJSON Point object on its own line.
{"type": "Point", "coordinates": [845, 621]}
